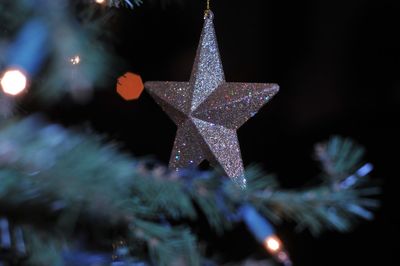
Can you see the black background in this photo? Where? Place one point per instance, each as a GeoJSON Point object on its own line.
{"type": "Point", "coordinates": [337, 63]}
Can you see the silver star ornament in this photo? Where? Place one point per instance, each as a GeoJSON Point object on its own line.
{"type": "Point", "coordinates": [208, 110]}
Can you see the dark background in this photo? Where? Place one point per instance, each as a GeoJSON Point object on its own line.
{"type": "Point", "coordinates": [337, 63]}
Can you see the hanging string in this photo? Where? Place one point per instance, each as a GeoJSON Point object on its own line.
{"type": "Point", "coordinates": [207, 12]}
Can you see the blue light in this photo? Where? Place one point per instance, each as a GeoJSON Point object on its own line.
{"type": "Point", "coordinates": [258, 225]}
{"type": "Point", "coordinates": [30, 47]}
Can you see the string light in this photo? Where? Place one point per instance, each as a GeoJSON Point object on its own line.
{"type": "Point", "coordinates": [14, 82]}
{"type": "Point", "coordinates": [75, 60]}
{"type": "Point", "coordinates": [274, 246]}
{"type": "Point", "coordinates": [264, 232]}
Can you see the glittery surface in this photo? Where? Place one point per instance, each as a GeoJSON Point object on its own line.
{"type": "Point", "coordinates": [208, 110]}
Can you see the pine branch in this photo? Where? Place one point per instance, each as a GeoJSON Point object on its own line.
{"type": "Point", "coordinates": [68, 180]}
{"type": "Point", "coordinates": [163, 242]}
{"type": "Point", "coordinates": [131, 4]}
{"type": "Point", "coordinates": [73, 30]}
{"type": "Point", "coordinates": [125, 3]}
{"type": "Point", "coordinates": [73, 58]}
{"type": "Point", "coordinates": [347, 192]}
{"type": "Point", "coordinates": [70, 174]}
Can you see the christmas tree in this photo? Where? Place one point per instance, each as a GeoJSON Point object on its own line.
{"type": "Point", "coordinates": [74, 195]}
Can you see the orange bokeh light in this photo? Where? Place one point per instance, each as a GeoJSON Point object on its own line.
{"type": "Point", "coordinates": [130, 86]}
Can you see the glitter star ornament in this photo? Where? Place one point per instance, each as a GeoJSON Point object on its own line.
{"type": "Point", "coordinates": [208, 110]}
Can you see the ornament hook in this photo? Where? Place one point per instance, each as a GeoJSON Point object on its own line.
{"type": "Point", "coordinates": [207, 12]}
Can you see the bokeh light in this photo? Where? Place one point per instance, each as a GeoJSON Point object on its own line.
{"type": "Point", "coordinates": [273, 244]}
{"type": "Point", "coordinates": [14, 82]}
{"type": "Point", "coordinates": [130, 86]}
{"type": "Point", "coordinates": [75, 60]}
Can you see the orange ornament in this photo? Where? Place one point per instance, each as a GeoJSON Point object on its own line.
{"type": "Point", "coordinates": [130, 86]}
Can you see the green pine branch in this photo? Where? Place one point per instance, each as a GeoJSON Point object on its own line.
{"type": "Point", "coordinates": [68, 180]}
{"type": "Point", "coordinates": [74, 29]}
{"type": "Point", "coordinates": [342, 196]}
{"type": "Point", "coordinates": [125, 3]}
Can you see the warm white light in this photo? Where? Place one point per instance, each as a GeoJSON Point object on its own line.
{"type": "Point", "coordinates": [75, 60]}
{"type": "Point", "coordinates": [273, 244]}
{"type": "Point", "coordinates": [13, 82]}
{"type": "Point", "coordinates": [100, 1]}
